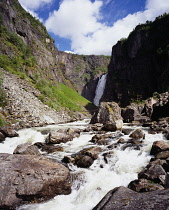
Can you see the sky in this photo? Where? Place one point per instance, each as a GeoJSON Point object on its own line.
{"type": "Point", "coordinates": [92, 26]}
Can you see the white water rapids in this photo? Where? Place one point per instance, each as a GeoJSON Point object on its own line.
{"type": "Point", "coordinates": [92, 184]}
{"type": "Point", "coordinates": [100, 89]}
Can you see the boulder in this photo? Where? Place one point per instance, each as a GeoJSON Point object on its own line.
{"type": "Point", "coordinates": [159, 146]}
{"type": "Point", "coordinates": [84, 158]}
{"type": "Point", "coordinates": [70, 131]}
{"type": "Point", "coordinates": [92, 152]}
{"type": "Point", "coordinates": [144, 185]}
{"type": "Point", "coordinates": [109, 114]}
{"type": "Point", "coordinates": [101, 139]}
{"type": "Point", "coordinates": [123, 198]}
{"type": "Point", "coordinates": [83, 161]}
{"type": "Point", "coordinates": [9, 132]}
{"type": "Point", "coordinates": [162, 155]}
{"type": "Point", "coordinates": [133, 112]}
{"type": "Point", "coordinates": [2, 137]}
{"type": "Point", "coordinates": [49, 148]}
{"type": "Point", "coordinates": [55, 137]}
{"type": "Point", "coordinates": [26, 149]}
{"type": "Point", "coordinates": [137, 134]}
{"type": "Point", "coordinates": [156, 173]}
{"type": "Point", "coordinates": [30, 178]}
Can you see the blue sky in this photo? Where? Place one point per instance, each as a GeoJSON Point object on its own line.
{"type": "Point", "coordinates": [92, 26]}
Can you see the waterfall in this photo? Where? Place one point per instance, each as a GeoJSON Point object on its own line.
{"type": "Point", "coordinates": [100, 89]}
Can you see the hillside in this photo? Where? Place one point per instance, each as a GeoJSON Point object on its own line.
{"type": "Point", "coordinates": [28, 51]}
{"type": "Point", "coordinates": [140, 64]}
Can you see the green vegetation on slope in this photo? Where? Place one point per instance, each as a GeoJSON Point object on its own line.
{"type": "Point", "coordinates": [60, 96]}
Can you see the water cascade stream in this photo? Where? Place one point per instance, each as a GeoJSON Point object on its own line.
{"type": "Point", "coordinates": [92, 184]}
{"type": "Point", "coordinates": [100, 89]}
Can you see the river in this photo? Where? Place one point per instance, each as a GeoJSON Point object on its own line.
{"type": "Point", "coordinates": [93, 183]}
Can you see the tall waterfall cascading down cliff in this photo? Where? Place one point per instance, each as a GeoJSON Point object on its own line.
{"type": "Point", "coordinates": [100, 89]}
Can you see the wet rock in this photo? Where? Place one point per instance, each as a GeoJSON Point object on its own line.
{"type": "Point", "coordinates": [167, 135]}
{"type": "Point", "coordinates": [94, 127]}
{"type": "Point", "coordinates": [109, 114]}
{"type": "Point", "coordinates": [48, 147]}
{"type": "Point", "coordinates": [91, 152]}
{"type": "Point", "coordinates": [130, 146]}
{"type": "Point", "coordinates": [162, 155]}
{"type": "Point", "coordinates": [121, 141]}
{"type": "Point", "coordinates": [166, 185]}
{"type": "Point", "coordinates": [101, 139]}
{"type": "Point", "coordinates": [70, 131]}
{"type": "Point", "coordinates": [68, 159]}
{"type": "Point", "coordinates": [31, 178]}
{"type": "Point", "coordinates": [9, 132]}
{"type": "Point", "coordinates": [56, 138]}
{"type": "Point", "coordinates": [144, 185]}
{"type": "Point", "coordinates": [26, 149]}
{"type": "Point", "coordinates": [159, 146]}
{"type": "Point", "coordinates": [133, 112]}
{"type": "Point", "coordinates": [137, 134]}
{"type": "Point", "coordinates": [127, 131]}
{"type": "Point", "coordinates": [123, 198]}
{"type": "Point", "coordinates": [2, 137]}
{"type": "Point", "coordinates": [83, 161]}
{"type": "Point", "coordinates": [155, 173]}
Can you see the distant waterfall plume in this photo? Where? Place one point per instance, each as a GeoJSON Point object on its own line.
{"type": "Point", "coordinates": [100, 89]}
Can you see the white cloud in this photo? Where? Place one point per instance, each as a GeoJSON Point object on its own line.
{"type": "Point", "coordinates": [34, 4]}
{"type": "Point", "coordinates": [79, 21]}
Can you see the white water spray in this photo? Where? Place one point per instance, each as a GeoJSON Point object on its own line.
{"type": "Point", "coordinates": [100, 89]}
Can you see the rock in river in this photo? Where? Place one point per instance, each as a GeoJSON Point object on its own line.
{"type": "Point", "coordinates": [30, 178]}
{"type": "Point", "coordinates": [109, 114]}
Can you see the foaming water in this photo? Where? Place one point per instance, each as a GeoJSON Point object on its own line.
{"type": "Point", "coordinates": [89, 185]}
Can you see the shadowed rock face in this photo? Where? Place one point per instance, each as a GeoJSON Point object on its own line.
{"type": "Point", "coordinates": [26, 178]}
{"type": "Point", "coordinates": [139, 65]}
{"type": "Point", "coordinates": [123, 198]}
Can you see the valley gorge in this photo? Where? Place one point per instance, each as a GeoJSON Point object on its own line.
{"type": "Point", "coordinates": [82, 131]}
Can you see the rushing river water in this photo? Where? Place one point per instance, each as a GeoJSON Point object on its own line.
{"type": "Point", "coordinates": [92, 184]}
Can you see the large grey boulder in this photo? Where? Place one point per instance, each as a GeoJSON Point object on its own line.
{"type": "Point", "coordinates": [133, 112]}
{"type": "Point", "coordinates": [159, 146]}
{"type": "Point", "coordinates": [8, 132]}
{"type": "Point", "coordinates": [55, 137]}
{"type": "Point", "coordinates": [123, 198]}
{"type": "Point", "coordinates": [27, 149]}
{"type": "Point", "coordinates": [30, 178]}
{"type": "Point", "coordinates": [109, 114]}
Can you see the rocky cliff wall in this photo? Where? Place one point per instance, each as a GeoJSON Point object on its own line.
{"type": "Point", "coordinates": [140, 64]}
{"type": "Point", "coordinates": [76, 71]}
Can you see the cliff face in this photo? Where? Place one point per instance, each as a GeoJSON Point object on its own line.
{"type": "Point", "coordinates": [140, 64]}
{"type": "Point", "coordinates": [75, 71]}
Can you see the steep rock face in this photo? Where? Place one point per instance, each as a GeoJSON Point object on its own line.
{"type": "Point", "coordinates": [139, 65]}
{"type": "Point", "coordinates": [76, 71]}
{"type": "Point", "coordinates": [83, 71]}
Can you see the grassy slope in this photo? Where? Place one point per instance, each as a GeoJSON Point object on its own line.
{"type": "Point", "coordinates": [17, 58]}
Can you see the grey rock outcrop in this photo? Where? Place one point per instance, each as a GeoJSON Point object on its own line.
{"type": "Point", "coordinates": [109, 114]}
{"type": "Point", "coordinates": [27, 149]}
{"type": "Point", "coordinates": [27, 178]}
{"type": "Point", "coordinates": [124, 198]}
{"type": "Point", "coordinates": [56, 137]}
